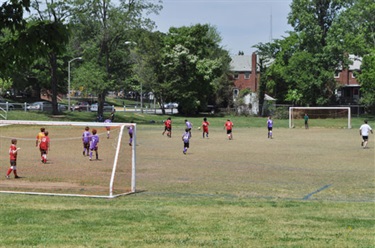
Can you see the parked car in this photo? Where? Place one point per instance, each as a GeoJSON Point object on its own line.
{"type": "Point", "coordinates": [106, 108]}
{"type": "Point", "coordinates": [4, 104]}
{"type": "Point", "coordinates": [45, 106]}
{"type": "Point", "coordinates": [80, 106]}
{"type": "Point", "coordinates": [170, 105]}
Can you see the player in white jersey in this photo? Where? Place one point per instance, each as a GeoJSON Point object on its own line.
{"type": "Point", "coordinates": [364, 131]}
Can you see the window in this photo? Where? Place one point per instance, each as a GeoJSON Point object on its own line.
{"type": "Point", "coordinates": [337, 74]}
{"type": "Point", "coordinates": [247, 75]}
{"type": "Point", "coordinates": [353, 74]}
{"type": "Point", "coordinates": [236, 75]}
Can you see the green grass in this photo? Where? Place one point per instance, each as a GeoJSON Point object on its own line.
{"type": "Point", "coordinates": [245, 193]}
{"type": "Point", "coordinates": [144, 220]}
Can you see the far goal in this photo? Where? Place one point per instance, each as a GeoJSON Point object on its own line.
{"type": "Point", "coordinates": [341, 114]}
{"type": "Point", "coordinates": [69, 171]}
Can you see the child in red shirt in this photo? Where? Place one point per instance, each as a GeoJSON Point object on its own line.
{"type": "Point", "coordinates": [44, 146]}
{"type": "Point", "coordinates": [228, 126]}
{"type": "Point", "coordinates": [205, 125]}
{"type": "Point", "coordinates": [168, 127]}
{"type": "Point", "coordinates": [13, 150]}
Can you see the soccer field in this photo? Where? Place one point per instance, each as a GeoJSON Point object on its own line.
{"type": "Point", "coordinates": [298, 164]}
{"type": "Point", "coordinates": [304, 188]}
{"type": "Point", "coordinates": [314, 164]}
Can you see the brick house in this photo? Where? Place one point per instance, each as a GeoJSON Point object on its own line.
{"type": "Point", "coordinates": [246, 75]}
{"type": "Point", "coordinates": [348, 92]}
{"type": "Point", "coordinates": [245, 72]}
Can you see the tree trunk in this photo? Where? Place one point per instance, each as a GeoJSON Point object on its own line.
{"type": "Point", "coordinates": [53, 70]}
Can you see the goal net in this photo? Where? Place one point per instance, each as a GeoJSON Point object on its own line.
{"type": "Point", "coordinates": [342, 115]}
{"type": "Point", "coordinates": [69, 171]}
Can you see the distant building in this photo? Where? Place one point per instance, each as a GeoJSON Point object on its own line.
{"type": "Point", "coordinates": [245, 73]}
{"type": "Point", "coordinates": [348, 92]}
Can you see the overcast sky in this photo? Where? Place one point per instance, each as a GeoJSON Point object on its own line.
{"type": "Point", "coordinates": [240, 23]}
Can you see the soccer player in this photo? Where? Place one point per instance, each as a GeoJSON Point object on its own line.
{"type": "Point", "coordinates": [39, 136]}
{"type": "Point", "coordinates": [108, 128]}
{"type": "Point", "coordinates": [269, 127]}
{"type": "Point", "coordinates": [205, 125]}
{"type": "Point", "coordinates": [13, 151]}
{"type": "Point", "coordinates": [185, 138]}
{"type": "Point", "coordinates": [86, 141]}
{"type": "Point", "coordinates": [130, 132]}
{"type": "Point", "coordinates": [94, 140]}
{"type": "Point", "coordinates": [364, 131]}
{"type": "Point", "coordinates": [229, 126]}
{"type": "Point", "coordinates": [306, 118]}
{"type": "Point", "coordinates": [189, 126]}
{"type": "Point", "coordinates": [168, 127]}
{"type": "Point", "coordinates": [44, 147]}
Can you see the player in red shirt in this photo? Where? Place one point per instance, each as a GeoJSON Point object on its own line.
{"type": "Point", "coordinates": [228, 126]}
{"type": "Point", "coordinates": [13, 150]}
{"type": "Point", "coordinates": [44, 146]}
{"type": "Point", "coordinates": [168, 127]}
{"type": "Point", "coordinates": [205, 125]}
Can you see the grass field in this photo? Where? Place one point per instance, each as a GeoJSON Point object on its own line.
{"type": "Point", "coordinates": [304, 188]}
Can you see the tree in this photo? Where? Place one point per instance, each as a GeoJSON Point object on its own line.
{"type": "Point", "coordinates": [367, 79]}
{"type": "Point", "coordinates": [147, 64]}
{"type": "Point", "coordinates": [354, 33]}
{"type": "Point", "coordinates": [102, 30]}
{"type": "Point", "coordinates": [305, 61]}
{"type": "Point", "coordinates": [50, 34]}
{"type": "Point", "coordinates": [11, 21]}
{"type": "Point", "coordinates": [194, 65]}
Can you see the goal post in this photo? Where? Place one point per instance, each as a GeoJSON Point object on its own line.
{"type": "Point", "coordinates": [68, 173]}
{"type": "Point", "coordinates": [344, 111]}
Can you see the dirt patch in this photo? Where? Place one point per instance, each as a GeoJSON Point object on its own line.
{"type": "Point", "coordinates": [67, 169]}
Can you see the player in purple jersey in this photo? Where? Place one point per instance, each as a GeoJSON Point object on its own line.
{"type": "Point", "coordinates": [185, 138]}
{"type": "Point", "coordinates": [130, 132]}
{"type": "Point", "coordinates": [94, 140]}
{"type": "Point", "coordinates": [189, 126]}
{"type": "Point", "coordinates": [269, 127]}
{"type": "Point", "coordinates": [108, 128]}
{"type": "Point", "coordinates": [86, 141]}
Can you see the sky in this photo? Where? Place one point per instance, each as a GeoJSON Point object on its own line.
{"type": "Point", "coordinates": [240, 23]}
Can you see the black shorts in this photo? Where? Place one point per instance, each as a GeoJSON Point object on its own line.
{"type": "Point", "coordinates": [269, 128]}
{"type": "Point", "coordinates": [186, 145]}
{"type": "Point", "coordinates": [229, 131]}
{"type": "Point", "coordinates": [365, 138]}
{"type": "Point", "coordinates": [13, 162]}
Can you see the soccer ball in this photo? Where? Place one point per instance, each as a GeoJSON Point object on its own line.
{"type": "Point", "coordinates": [199, 128]}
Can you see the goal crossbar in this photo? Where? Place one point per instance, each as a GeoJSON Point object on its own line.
{"type": "Point", "coordinates": [97, 124]}
{"type": "Point", "coordinates": [318, 108]}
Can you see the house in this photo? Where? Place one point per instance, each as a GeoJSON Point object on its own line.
{"type": "Point", "coordinates": [246, 75]}
{"type": "Point", "coordinates": [348, 92]}
{"type": "Point", "coordinates": [245, 72]}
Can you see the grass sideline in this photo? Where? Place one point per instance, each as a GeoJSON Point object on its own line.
{"type": "Point", "coordinates": [182, 208]}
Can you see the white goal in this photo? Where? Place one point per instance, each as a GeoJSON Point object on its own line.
{"type": "Point", "coordinates": [69, 170]}
{"type": "Point", "coordinates": [297, 113]}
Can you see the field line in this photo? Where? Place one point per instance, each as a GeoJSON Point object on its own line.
{"type": "Point", "coordinates": [316, 191]}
